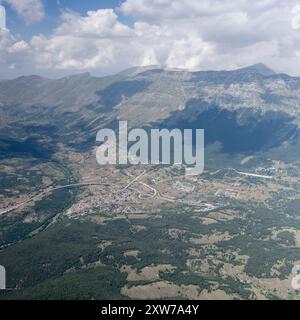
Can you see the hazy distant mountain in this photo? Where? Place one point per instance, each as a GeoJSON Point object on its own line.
{"type": "Point", "coordinates": [258, 68]}
{"type": "Point", "coordinates": [136, 70]}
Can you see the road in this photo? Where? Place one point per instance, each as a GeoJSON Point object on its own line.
{"type": "Point", "coordinates": [93, 183]}
{"type": "Point", "coordinates": [68, 186]}
{"type": "Point", "coordinates": [242, 173]}
{"type": "Point", "coordinates": [49, 190]}
{"type": "Point", "coordinates": [134, 180]}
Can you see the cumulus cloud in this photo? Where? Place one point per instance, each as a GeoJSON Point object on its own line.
{"type": "Point", "coordinates": [89, 42]}
{"type": "Point", "coordinates": [14, 53]}
{"type": "Point", "coordinates": [30, 10]}
{"type": "Point", "coordinates": [99, 40]}
{"type": "Point", "coordinates": [187, 9]}
{"type": "Point", "coordinates": [239, 31]}
{"type": "Point", "coordinates": [195, 35]}
{"type": "Point", "coordinates": [98, 24]}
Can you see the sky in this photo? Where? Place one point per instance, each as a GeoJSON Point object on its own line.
{"type": "Point", "coordinates": [55, 38]}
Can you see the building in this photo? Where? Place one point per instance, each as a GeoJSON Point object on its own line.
{"type": "Point", "coordinates": [2, 17]}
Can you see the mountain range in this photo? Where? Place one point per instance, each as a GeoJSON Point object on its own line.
{"type": "Point", "coordinates": [246, 110]}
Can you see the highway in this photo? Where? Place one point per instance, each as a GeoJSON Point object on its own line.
{"type": "Point", "coordinates": [49, 190]}
{"type": "Point", "coordinates": [68, 186]}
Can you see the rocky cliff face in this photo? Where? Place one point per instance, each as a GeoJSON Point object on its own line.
{"type": "Point", "coordinates": [251, 107]}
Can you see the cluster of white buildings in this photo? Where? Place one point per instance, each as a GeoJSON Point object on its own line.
{"type": "Point", "coordinates": [104, 203]}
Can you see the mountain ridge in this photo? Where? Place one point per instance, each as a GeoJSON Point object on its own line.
{"type": "Point", "coordinates": [252, 100]}
{"type": "Point", "coordinates": [133, 71]}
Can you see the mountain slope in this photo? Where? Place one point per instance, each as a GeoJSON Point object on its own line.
{"type": "Point", "coordinates": [252, 101]}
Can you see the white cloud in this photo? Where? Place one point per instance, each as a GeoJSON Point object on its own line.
{"type": "Point", "coordinates": [14, 53]}
{"type": "Point", "coordinates": [82, 42]}
{"type": "Point", "coordinates": [30, 10]}
{"type": "Point", "coordinates": [182, 9]}
{"type": "Point", "coordinates": [99, 40]}
{"type": "Point", "coordinates": [233, 28]}
{"type": "Point", "coordinates": [96, 24]}
{"type": "Point", "coordinates": [19, 46]}
{"type": "Point", "coordinates": [207, 34]}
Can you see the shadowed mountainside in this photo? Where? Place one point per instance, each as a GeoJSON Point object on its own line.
{"type": "Point", "coordinates": [246, 110]}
